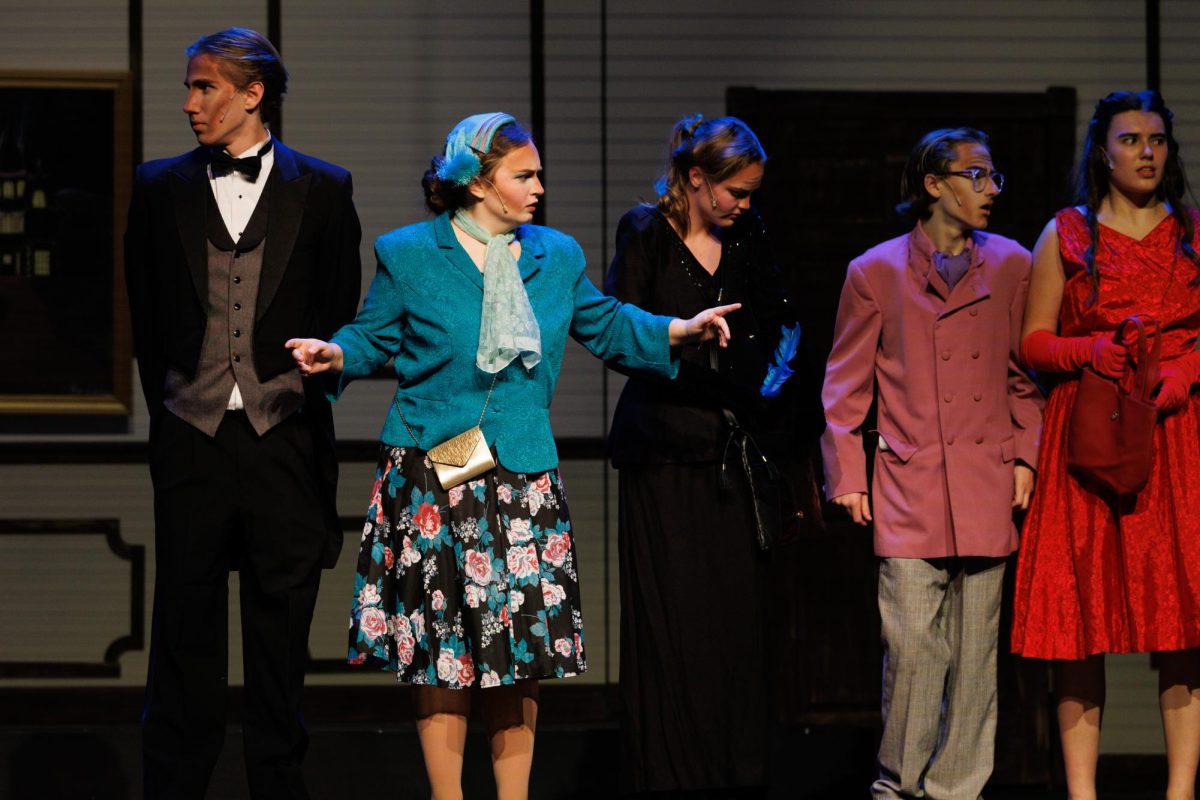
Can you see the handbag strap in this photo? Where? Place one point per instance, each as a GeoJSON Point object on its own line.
{"type": "Point", "coordinates": [482, 412]}
{"type": "Point", "coordinates": [1146, 362]}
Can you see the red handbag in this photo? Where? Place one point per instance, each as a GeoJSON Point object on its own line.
{"type": "Point", "coordinates": [1110, 438]}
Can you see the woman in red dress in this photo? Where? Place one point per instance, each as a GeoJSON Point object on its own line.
{"type": "Point", "coordinates": [1098, 575]}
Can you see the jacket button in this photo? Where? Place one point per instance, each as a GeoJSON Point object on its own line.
{"type": "Point", "coordinates": [978, 397]}
{"type": "Point", "coordinates": [945, 355]}
{"type": "Point", "coordinates": [978, 440]}
{"type": "Point", "coordinates": [974, 354]}
{"type": "Point", "coordinates": [950, 441]}
{"type": "Point", "coordinates": [237, 253]}
{"type": "Point", "coordinates": [948, 398]}
{"type": "Point", "coordinates": [974, 312]}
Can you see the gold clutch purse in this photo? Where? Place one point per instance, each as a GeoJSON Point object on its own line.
{"type": "Point", "coordinates": [462, 458]}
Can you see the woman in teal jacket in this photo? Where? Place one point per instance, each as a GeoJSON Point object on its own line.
{"type": "Point", "coordinates": [474, 583]}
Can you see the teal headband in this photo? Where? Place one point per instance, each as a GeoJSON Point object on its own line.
{"type": "Point", "coordinates": [469, 139]}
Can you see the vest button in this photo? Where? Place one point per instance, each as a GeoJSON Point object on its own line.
{"type": "Point", "coordinates": [237, 332]}
{"type": "Point", "coordinates": [237, 359]}
{"type": "Point", "coordinates": [237, 279]}
{"type": "Point", "coordinates": [237, 253]}
{"type": "Point", "coordinates": [237, 306]}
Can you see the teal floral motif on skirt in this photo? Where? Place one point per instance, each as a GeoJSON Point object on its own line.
{"type": "Point", "coordinates": [475, 585]}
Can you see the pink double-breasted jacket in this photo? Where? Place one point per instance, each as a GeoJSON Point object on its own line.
{"type": "Point", "coordinates": [954, 408]}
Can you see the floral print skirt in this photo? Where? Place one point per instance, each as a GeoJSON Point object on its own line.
{"type": "Point", "coordinates": [475, 585]}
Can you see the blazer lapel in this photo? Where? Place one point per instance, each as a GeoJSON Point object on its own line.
{"type": "Point", "coordinates": [448, 245]}
{"type": "Point", "coordinates": [288, 192]}
{"type": "Point", "coordinates": [974, 286]}
{"type": "Point", "coordinates": [188, 184]}
{"type": "Point", "coordinates": [533, 253]}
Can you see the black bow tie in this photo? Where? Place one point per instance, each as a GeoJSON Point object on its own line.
{"type": "Point", "coordinates": [222, 163]}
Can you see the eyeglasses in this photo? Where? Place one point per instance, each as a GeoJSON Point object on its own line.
{"type": "Point", "coordinates": [979, 178]}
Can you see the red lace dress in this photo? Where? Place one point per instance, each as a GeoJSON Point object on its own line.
{"type": "Point", "coordinates": [1092, 579]}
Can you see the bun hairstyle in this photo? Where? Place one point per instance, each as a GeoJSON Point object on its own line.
{"type": "Point", "coordinates": [445, 195]}
{"type": "Point", "coordinates": [933, 154]}
{"type": "Point", "coordinates": [1092, 171]}
{"type": "Point", "coordinates": [720, 147]}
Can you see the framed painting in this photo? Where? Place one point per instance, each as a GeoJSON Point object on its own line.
{"type": "Point", "coordinates": [66, 171]}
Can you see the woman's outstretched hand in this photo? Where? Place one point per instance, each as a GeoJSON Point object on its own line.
{"type": "Point", "coordinates": [708, 324]}
{"type": "Point", "coordinates": [314, 356]}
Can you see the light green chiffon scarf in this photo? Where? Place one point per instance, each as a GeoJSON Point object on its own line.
{"type": "Point", "coordinates": [508, 328]}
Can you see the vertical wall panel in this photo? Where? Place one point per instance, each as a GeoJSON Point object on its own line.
{"type": "Point", "coordinates": [48, 35]}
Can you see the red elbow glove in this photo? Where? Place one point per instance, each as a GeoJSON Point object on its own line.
{"type": "Point", "coordinates": [1044, 351]}
{"type": "Point", "coordinates": [1176, 378]}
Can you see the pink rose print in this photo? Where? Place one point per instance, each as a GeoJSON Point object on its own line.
{"type": "Point", "coordinates": [466, 670]}
{"type": "Point", "coordinates": [409, 555]}
{"type": "Point", "coordinates": [558, 547]}
{"type": "Point", "coordinates": [418, 624]}
{"type": "Point", "coordinates": [579, 645]}
{"type": "Point", "coordinates": [523, 561]}
{"type": "Point", "coordinates": [518, 531]}
{"type": "Point", "coordinates": [373, 623]}
{"type": "Point", "coordinates": [388, 557]}
{"type": "Point", "coordinates": [456, 495]}
{"type": "Point", "coordinates": [552, 594]}
{"type": "Point", "coordinates": [428, 521]}
{"type": "Point", "coordinates": [447, 666]}
{"type": "Point", "coordinates": [542, 484]}
{"type": "Point", "coordinates": [488, 679]}
{"type": "Point", "coordinates": [504, 493]}
{"type": "Point", "coordinates": [505, 619]}
{"type": "Point", "coordinates": [377, 503]}
{"type": "Point", "coordinates": [563, 646]}
{"type": "Point", "coordinates": [361, 658]}
{"type": "Point", "coordinates": [515, 599]}
{"type": "Point", "coordinates": [476, 595]}
{"type": "Point", "coordinates": [369, 596]}
{"type": "Point", "coordinates": [439, 600]}
{"type": "Point", "coordinates": [405, 648]}
{"type": "Point", "coordinates": [478, 567]}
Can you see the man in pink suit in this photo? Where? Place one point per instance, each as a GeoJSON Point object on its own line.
{"type": "Point", "coordinates": [929, 325]}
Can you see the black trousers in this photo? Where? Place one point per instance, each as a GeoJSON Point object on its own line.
{"type": "Point", "coordinates": [236, 498]}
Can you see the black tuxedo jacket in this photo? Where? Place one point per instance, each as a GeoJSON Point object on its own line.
{"type": "Point", "coordinates": [310, 282]}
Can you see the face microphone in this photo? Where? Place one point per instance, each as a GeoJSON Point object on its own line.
{"type": "Point", "coordinates": [227, 105]}
{"type": "Point", "coordinates": [503, 207]}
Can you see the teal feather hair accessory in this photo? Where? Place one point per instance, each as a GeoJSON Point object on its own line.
{"type": "Point", "coordinates": [469, 140]}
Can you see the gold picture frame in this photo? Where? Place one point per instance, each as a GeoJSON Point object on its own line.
{"type": "Point", "coordinates": [66, 173]}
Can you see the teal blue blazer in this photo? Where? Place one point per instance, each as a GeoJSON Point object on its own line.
{"type": "Point", "coordinates": [423, 311]}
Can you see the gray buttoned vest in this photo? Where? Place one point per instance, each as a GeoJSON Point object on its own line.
{"type": "Point", "coordinates": [227, 355]}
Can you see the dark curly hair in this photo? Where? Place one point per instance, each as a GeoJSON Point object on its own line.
{"type": "Point", "coordinates": [1092, 172]}
{"type": "Point", "coordinates": [443, 195]}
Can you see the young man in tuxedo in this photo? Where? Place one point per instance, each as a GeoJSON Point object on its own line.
{"type": "Point", "coordinates": [232, 249]}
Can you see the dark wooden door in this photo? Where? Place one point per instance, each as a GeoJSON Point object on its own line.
{"type": "Point", "coordinates": [832, 181]}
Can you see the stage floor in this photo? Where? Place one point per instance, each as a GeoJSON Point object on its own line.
{"type": "Point", "coordinates": [572, 761]}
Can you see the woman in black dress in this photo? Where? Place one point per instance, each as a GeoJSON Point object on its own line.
{"type": "Point", "coordinates": [695, 670]}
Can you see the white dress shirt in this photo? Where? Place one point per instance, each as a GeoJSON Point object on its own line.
{"type": "Point", "coordinates": [236, 197]}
